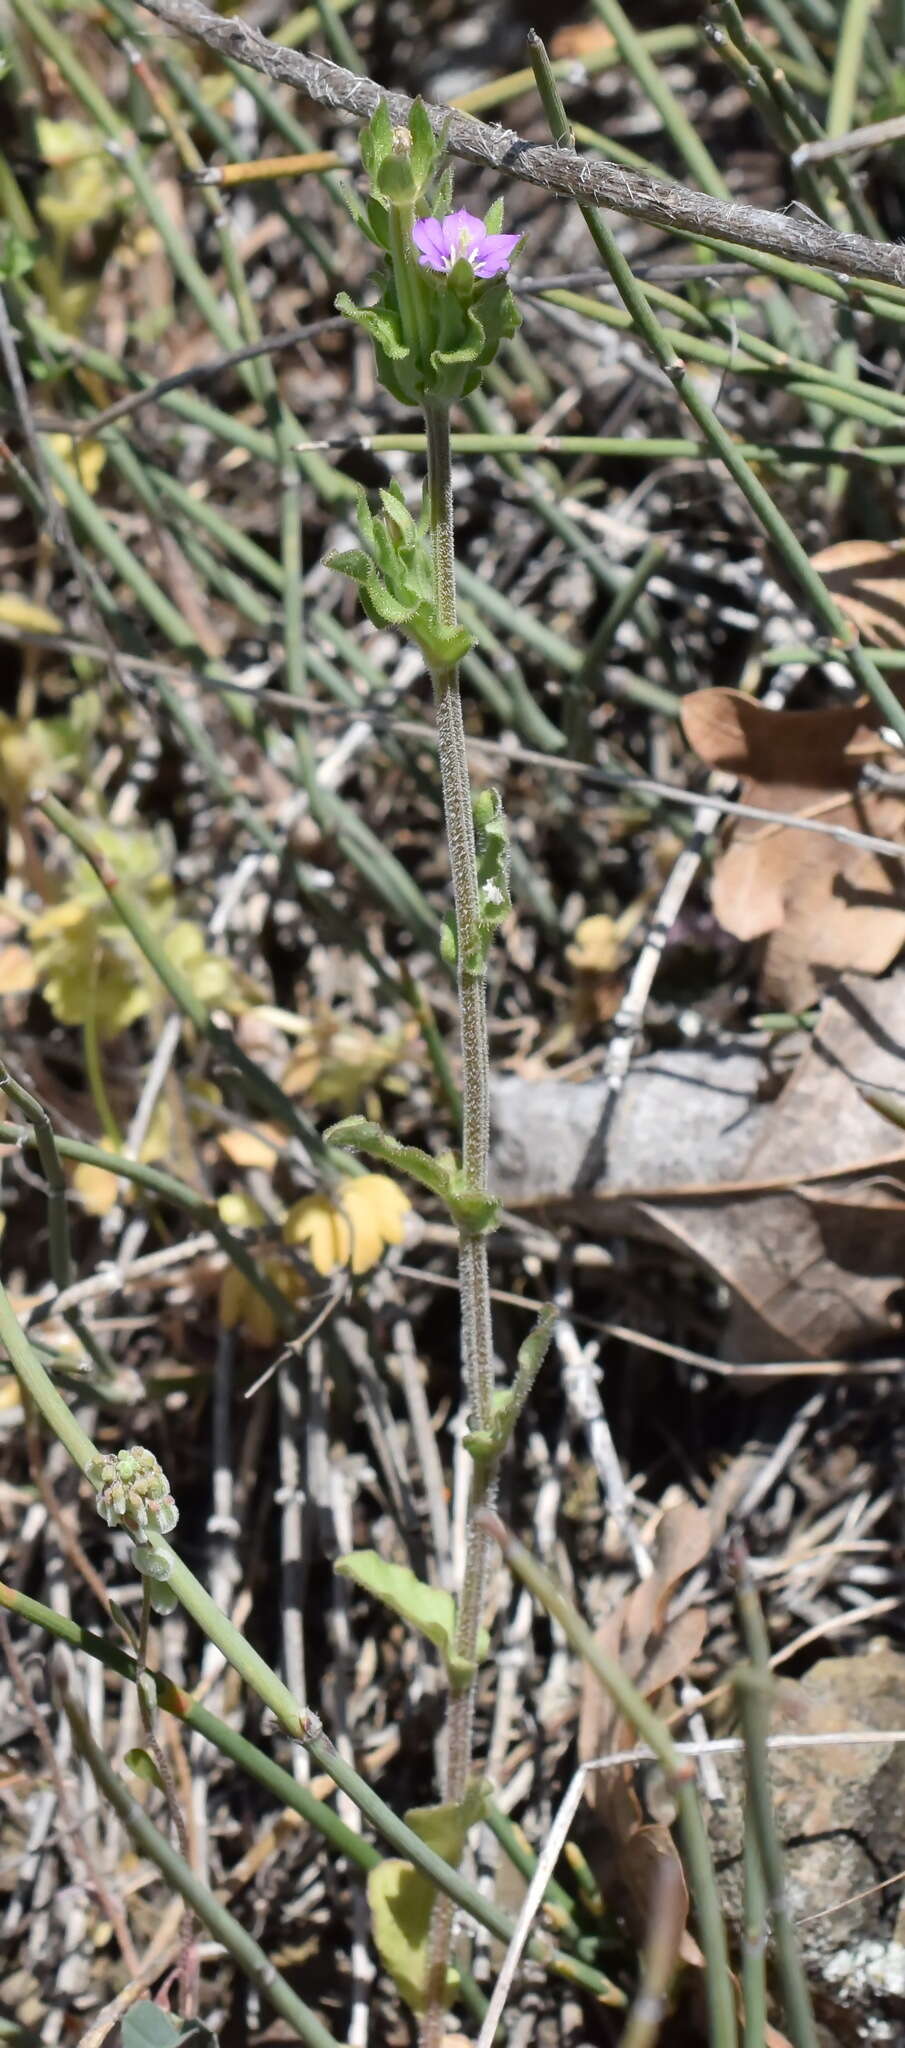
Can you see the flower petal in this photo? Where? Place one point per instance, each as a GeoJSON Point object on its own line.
{"type": "Point", "coordinates": [315, 1221]}
{"type": "Point", "coordinates": [462, 224]}
{"type": "Point", "coordinates": [493, 256]}
{"type": "Point", "coordinates": [376, 1209]}
{"type": "Point", "coordinates": [427, 236]}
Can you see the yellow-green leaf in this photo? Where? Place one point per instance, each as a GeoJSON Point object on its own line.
{"type": "Point", "coordinates": [429, 1609]}
{"type": "Point", "coordinates": [401, 1902]}
{"type": "Point", "coordinates": [142, 1764]}
{"type": "Point", "coordinates": [445, 1828]}
{"type": "Point", "coordinates": [20, 612]}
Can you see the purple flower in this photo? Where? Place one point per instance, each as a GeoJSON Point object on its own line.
{"type": "Point", "coordinates": [441, 243]}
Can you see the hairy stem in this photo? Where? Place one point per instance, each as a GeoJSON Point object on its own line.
{"type": "Point", "coordinates": [474, 1284]}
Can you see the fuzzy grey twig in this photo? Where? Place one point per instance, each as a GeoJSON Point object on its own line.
{"type": "Point", "coordinates": [593, 182]}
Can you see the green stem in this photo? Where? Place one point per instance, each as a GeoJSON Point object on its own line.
{"type": "Point", "coordinates": [97, 1086]}
{"type": "Point", "coordinates": [16, 2036]}
{"type": "Point", "coordinates": [650, 1729]}
{"type": "Point", "coordinates": [753, 1692]}
{"type": "Point", "coordinates": [754, 1943]}
{"type": "Point", "coordinates": [847, 68]}
{"type": "Point", "coordinates": [260, 1088]}
{"type": "Point", "coordinates": [635, 52]}
{"type": "Point", "coordinates": [197, 1602]}
{"type": "Point", "coordinates": [245, 1951]}
{"type": "Point", "coordinates": [660, 1959]}
{"type": "Point", "coordinates": [776, 527]}
{"type": "Point", "coordinates": [285, 1789]}
{"type": "Point", "coordinates": [664, 447]}
{"type": "Point", "coordinates": [474, 1279]}
{"type": "Point", "coordinates": [754, 1927]}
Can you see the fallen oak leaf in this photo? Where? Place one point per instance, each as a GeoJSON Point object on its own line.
{"type": "Point", "coordinates": [821, 906]}
{"type": "Point", "coordinates": [627, 1851]}
{"type": "Point", "coordinates": [867, 580]}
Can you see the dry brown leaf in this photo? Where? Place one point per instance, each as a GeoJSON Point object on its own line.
{"type": "Point", "coordinates": [581, 39]}
{"type": "Point", "coordinates": [771, 1169]}
{"type": "Point", "coordinates": [259, 1146]}
{"type": "Point", "coordinates": [653, 1651]}
{"type": "Point", "coordinates": [867, 580]}
{"type": "Point", "coordinates": [812, 1251]}
{"type": "Point", "coordinates": [821, 906]}
{"type": "Point", "coordinates": [17, 971]}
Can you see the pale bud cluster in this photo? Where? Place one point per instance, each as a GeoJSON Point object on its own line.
{"type": "Point", "coordinates": [133, 1492]}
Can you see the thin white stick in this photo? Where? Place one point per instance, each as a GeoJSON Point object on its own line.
{"type": "Point", "coordinates": [110, 1279]}
{"type": "Point", "coordinates": [531, 1904]}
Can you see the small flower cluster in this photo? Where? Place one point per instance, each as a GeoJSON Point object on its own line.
{"type": "Point", "coordinates": [133, 1492]}
{"type": "Point", "coordinates": [445, 305]}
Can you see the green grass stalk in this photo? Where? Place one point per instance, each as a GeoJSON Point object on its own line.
{"type": "Point", "coordinates": [775, 525]}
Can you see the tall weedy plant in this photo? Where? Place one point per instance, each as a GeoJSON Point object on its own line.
{"type": "Point", "coordinates": [444, 307]}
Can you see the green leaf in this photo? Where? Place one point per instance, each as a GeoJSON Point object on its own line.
{"type": "Point", "coordinates": [379, 325]}
{"type": "Point", "coordinates": [494, 218]}
{"type": "Point", "coordinates": [351, 562]}
{"type": "Point", "coordinates": [17, 254]}
{"type": "Point", "coordinates": [147, 2027]}
{"type": "Point", "coordinates": [401, 1902]}
{"type": "Point", "coordinates": [359, 1134]}
{"type": "Point", "coordinates": [486, 1445]}
{"type": "Point", "coordinates": [445, 1828]}
{"type": "Point", "coordinates": [428, 1609]}
{"type": "Point", "coordinates": [150, 1560]}
{"type": "Point", "coordinates": [142, 1764]}
{"type": "Point", "coordinates": [473, 1209]}
{"type": "Point", "coordinates": [401, 1898]}
{"type": "Point", "coordinates": [397, 179]}
{"type": "Point", "coordinates": [427, 148]}
{"type": "Point", "coordinates": [376, 139]}
{"type": "Point", "coordinates": [382, 607]}
{"type": "Point", "coordinates": [442, 646]}
{"type": "Point", "coordinates": [443, 196]}
{"type": "Point", "coordinates": [495, 902]}
{"type": "Point", "coordinates": [378, 229]}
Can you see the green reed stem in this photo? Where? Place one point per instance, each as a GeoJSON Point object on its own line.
{"type": "Point", "coordinates": [755, 1923]}
{"type": "Point", "coordinates": [245, 1951]}
{"type": "Point", "coordinates": [847, 69]}
{"type": "Point", "coordinates": [648, 1727]}
{"type": "Point", "coordinates": [660, 1959]}
{"type": "Point", "coordinates": [662, 42]}
{"type": "Point", "coordinates": [286, 1790]}
{"type": "Point", "coordinates": [650, 448]}
{"type": "Point", "coordinates": [474, 1277]}
{"type": "Point", "coordinates": [777, 528]}
{"type": "Point", "coordinates": [798, 123]}
{"type": "Point", "coordinates": [754, 1943]}
{"type": "Point", "coordinates": [60, 1253]}
{"type": "Point", "coordinates": [796, 39]}
{"type": "Point", "coordinates": [257, 1083]}
{"type": "Point", "coordinates": [753, 1690]}
{"type": "Point", "coordinates": [636, 53]}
